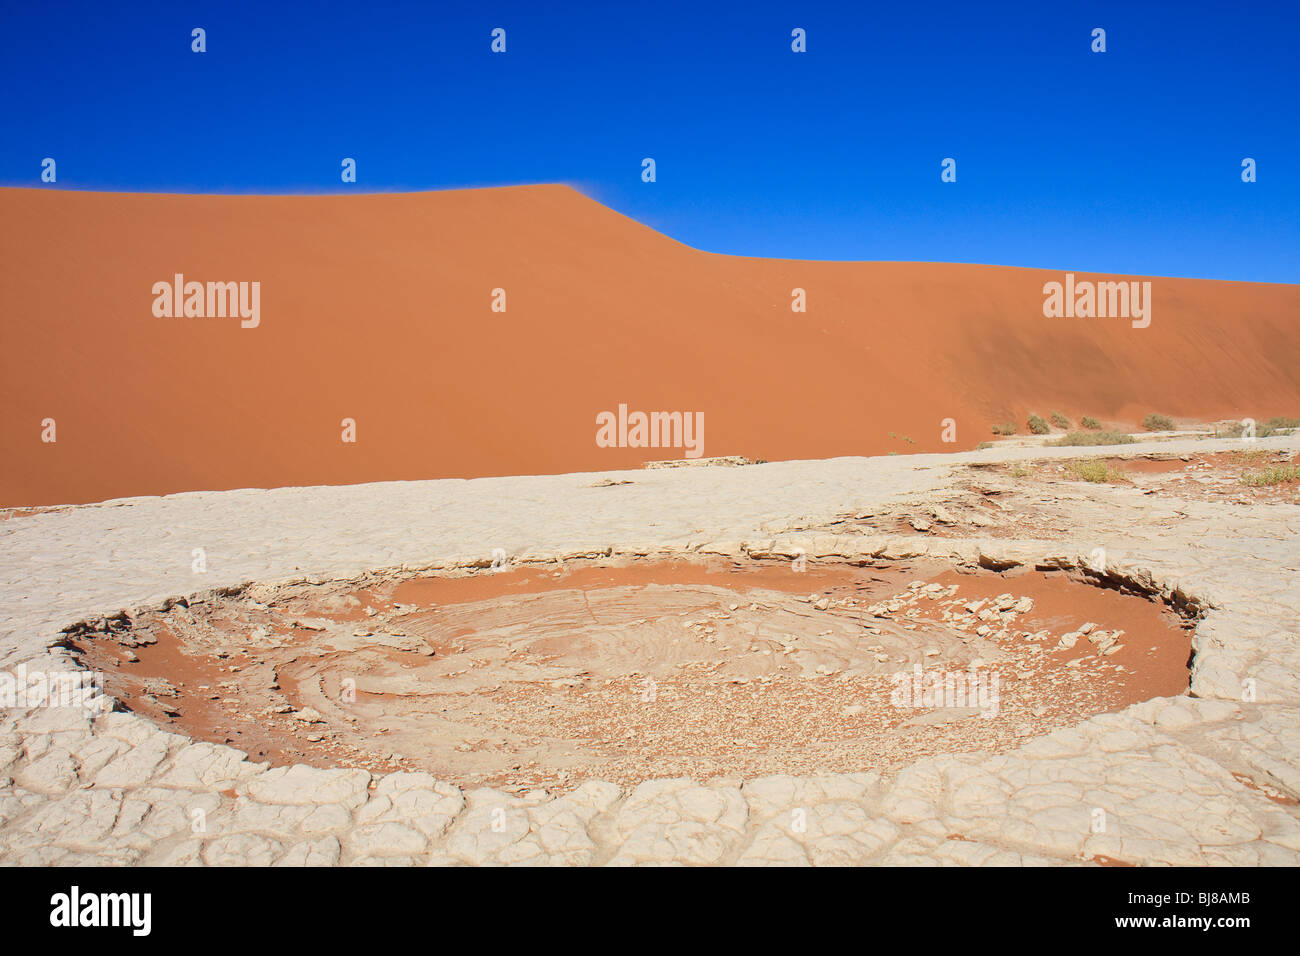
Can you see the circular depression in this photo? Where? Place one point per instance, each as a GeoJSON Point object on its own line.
{"type": "Point", "coordinates": [637, 669]}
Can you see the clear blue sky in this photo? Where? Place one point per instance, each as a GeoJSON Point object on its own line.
{"type": "Point", "coordinates": [1127, 161]}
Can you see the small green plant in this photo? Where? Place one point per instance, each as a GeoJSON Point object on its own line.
{"type": "Point", "coordinates": [1018, 471]}
{"type": "Point", "coordinates": [1158, 423]}
{"type": "Point", "coordinates": [1095, 470]}
{"type": "Point", "coordinates": [1059, 420]}
{"type": "Point", "coordinates": [1007, 429]}
{"type": "Point", "coordinates": [1093, 438]}
{"type": "Point", "coordinates": [1087, 421]}
{"type": "Point", "coordinates": [984, 444]}
{"type": "Point", "coordinates": [1038, 425]}
{"type": "Point", "coordinates": [1271, 476]}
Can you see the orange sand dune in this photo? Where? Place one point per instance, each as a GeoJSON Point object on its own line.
{"type": "Point", "coordinates": [377, 308]}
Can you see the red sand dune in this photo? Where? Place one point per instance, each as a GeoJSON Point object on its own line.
{"type": "Point", "coordinates": [377, 308]}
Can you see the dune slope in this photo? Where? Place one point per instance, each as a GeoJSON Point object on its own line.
{"type": "Point", "coordinates": [377, 308]}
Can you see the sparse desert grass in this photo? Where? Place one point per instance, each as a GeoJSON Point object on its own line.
{"type": "Point", "coordinates": [1158, 423]}
{"type": "Point", "coordinates": [1018, 470]}
{"type": "Point", "coordinates": [1087, 421]}
{"type": "Point", "coordinates": [1271, 426]}
{"type": "Point", "coordinates": [1093, 438]}
{"type": "Point", "coordinates": [1276, 424]}
{"type": "Point", "coordinates": [1096, 470]}
{"type": "Point", "coordinates": [1271, 476]}
{"type": "Point", "coordinates": [1059, 420]}
{"type": "Point", "coordinates": [1229, 431]}
{"type": "Point", "coordinates": [1282, 421]}
{"type": "Point", "coordinates": [1256, 456]}
{"type": "Point", "coordinates": [1262, 430]}
{"type": "Point", "coordinates": [1038, 425]}
{"type": "Point", "coordinates": [1007, 429]}
{"type": "Point", "coordinates": [984, 444]}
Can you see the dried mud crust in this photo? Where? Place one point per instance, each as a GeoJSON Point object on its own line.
{"type": "Point", "coordinates": [1209, 477]}
{"type": "Point", "coordinates": [1040, 498]}
{"type": "Point", "coordinates": [633, 670]}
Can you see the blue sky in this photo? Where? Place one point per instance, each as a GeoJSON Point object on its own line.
{"type": "Point", "coordinates": [1127, 161]}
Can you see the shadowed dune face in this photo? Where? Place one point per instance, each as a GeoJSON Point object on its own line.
{"type": "Point", "coordinates": [378, 308]}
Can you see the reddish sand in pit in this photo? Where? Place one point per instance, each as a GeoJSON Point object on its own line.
{"type": "Point", "coordinates": [528, 679]}
{"type": "Point", "coordinates": [1156, 663]}
{"type": "Point", "coordinates": [377, 308]}
{"type": "Point", "coordinates": [773, 576]}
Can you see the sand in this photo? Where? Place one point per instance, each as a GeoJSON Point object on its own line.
{"type": "Point", "coordinates": [378, 308]}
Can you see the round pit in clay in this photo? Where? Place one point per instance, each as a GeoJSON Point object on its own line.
{"type": "Point", "coordinates": [634, 670]}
